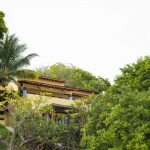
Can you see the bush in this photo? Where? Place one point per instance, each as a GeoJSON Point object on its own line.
{"type": "Point", "coordinates": [4, 137]}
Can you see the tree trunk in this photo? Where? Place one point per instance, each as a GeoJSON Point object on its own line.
{"type": "Point", "coordinates": [12, 140]}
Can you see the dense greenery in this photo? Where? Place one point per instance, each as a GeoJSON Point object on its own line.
{"type": "Point", "coordinates": [41, 134]}
{"type": "Point", "coordinates": [75, 77]}
{"type": "Point", "coordinates": [135, 76]}
{"type": "Point", "coordinates": [12, 60]}
{"type": "Point", "coordinates": [33, 131]}
{"type": "Point", "coordinates": [120, 118]}
{"type": "Point", "coordinates": [4, 137]}
{"type": "Point", "coordinates": [3, 28]}
{"type": "Point", "coordinates": [119, 121]}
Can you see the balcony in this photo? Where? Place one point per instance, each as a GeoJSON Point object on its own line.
{"type": "Point", "coordinates": [53, 100]}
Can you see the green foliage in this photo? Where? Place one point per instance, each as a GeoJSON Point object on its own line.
{"type": "Point", "coordinates": [135, 76]}
{"type": "Point", "coordinates": [75, 77]}
{"type": "Point", "coordinates": [119, 121]}
{"type": "Point", "coordinates": [38, 133]}
{"type": "Point", "coordinates": [34, 131]}
{"type": "Point", "coordinates": [5, 135]}
{"type": "Point", "coordinates": [12, 61]}
{"type": "Point", "coordinates": [58, 70]}
{"type": "Point", "coordinates": [3, 28]}
{"type": "Point", "coordinates": [4, 132]}
{"type": "Point", "coordinates": [22, 109]}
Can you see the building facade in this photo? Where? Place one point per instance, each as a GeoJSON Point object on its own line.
{"type": "Point", "coordinates": [61, 97]}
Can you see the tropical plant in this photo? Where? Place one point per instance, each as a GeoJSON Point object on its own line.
{"type": "Point", "coordinates": [3, 28]}
{"type": "Point", "coordinates": [12, 60]}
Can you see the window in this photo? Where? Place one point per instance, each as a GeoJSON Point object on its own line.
{"type": "Point", "coordinates": [70, 97]}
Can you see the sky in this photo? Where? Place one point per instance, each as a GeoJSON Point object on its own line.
{"type": "Point", "coordinates": [99, 36]}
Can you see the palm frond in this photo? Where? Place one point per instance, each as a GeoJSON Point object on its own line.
{"type": "Point", "coordinates": [12, 59]}
{"type": "Point", "coordinates": [20, 63]}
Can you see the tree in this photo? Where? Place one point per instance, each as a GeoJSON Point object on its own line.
{"type": "Point", "coordinates": [135, 76]}
{"type": "Point", "coordinates": [32, 131]}
{"type": "Point", "coordinates": [119, 118]}
{"type": "Point", "coordinates": [118, 121]}
{"type": "Point", "coordinates": [12, 60]}
{"type": "Point", "coordinates": [58, 70]}
{"type": "Point", "coordinates": [75, 77]}
{"type": "Point", "coordinates": [3, 28]}
{"type": "Point", "coordinates": [22, 109]}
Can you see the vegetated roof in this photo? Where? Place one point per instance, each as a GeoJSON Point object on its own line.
{"type": "Point", "coordinates": [57, 86]}
{"type": "Point", "coordinates": [51, 79]}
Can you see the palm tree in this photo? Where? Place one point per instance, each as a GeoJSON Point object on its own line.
{"type": "Point", "coordinates": [12, 61]}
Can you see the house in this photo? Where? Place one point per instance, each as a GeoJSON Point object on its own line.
{"type": "Point", "coordinates": [62, 97]}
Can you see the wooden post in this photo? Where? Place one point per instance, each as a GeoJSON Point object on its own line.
{"type": "Point", "coordinates": [53, 114]}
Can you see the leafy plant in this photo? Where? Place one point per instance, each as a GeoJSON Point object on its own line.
{"type": "Point", "coordinates": [12, 61]}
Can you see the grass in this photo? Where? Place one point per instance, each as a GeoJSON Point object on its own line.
{"type": "Point", "coordinates": [5, 136]}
